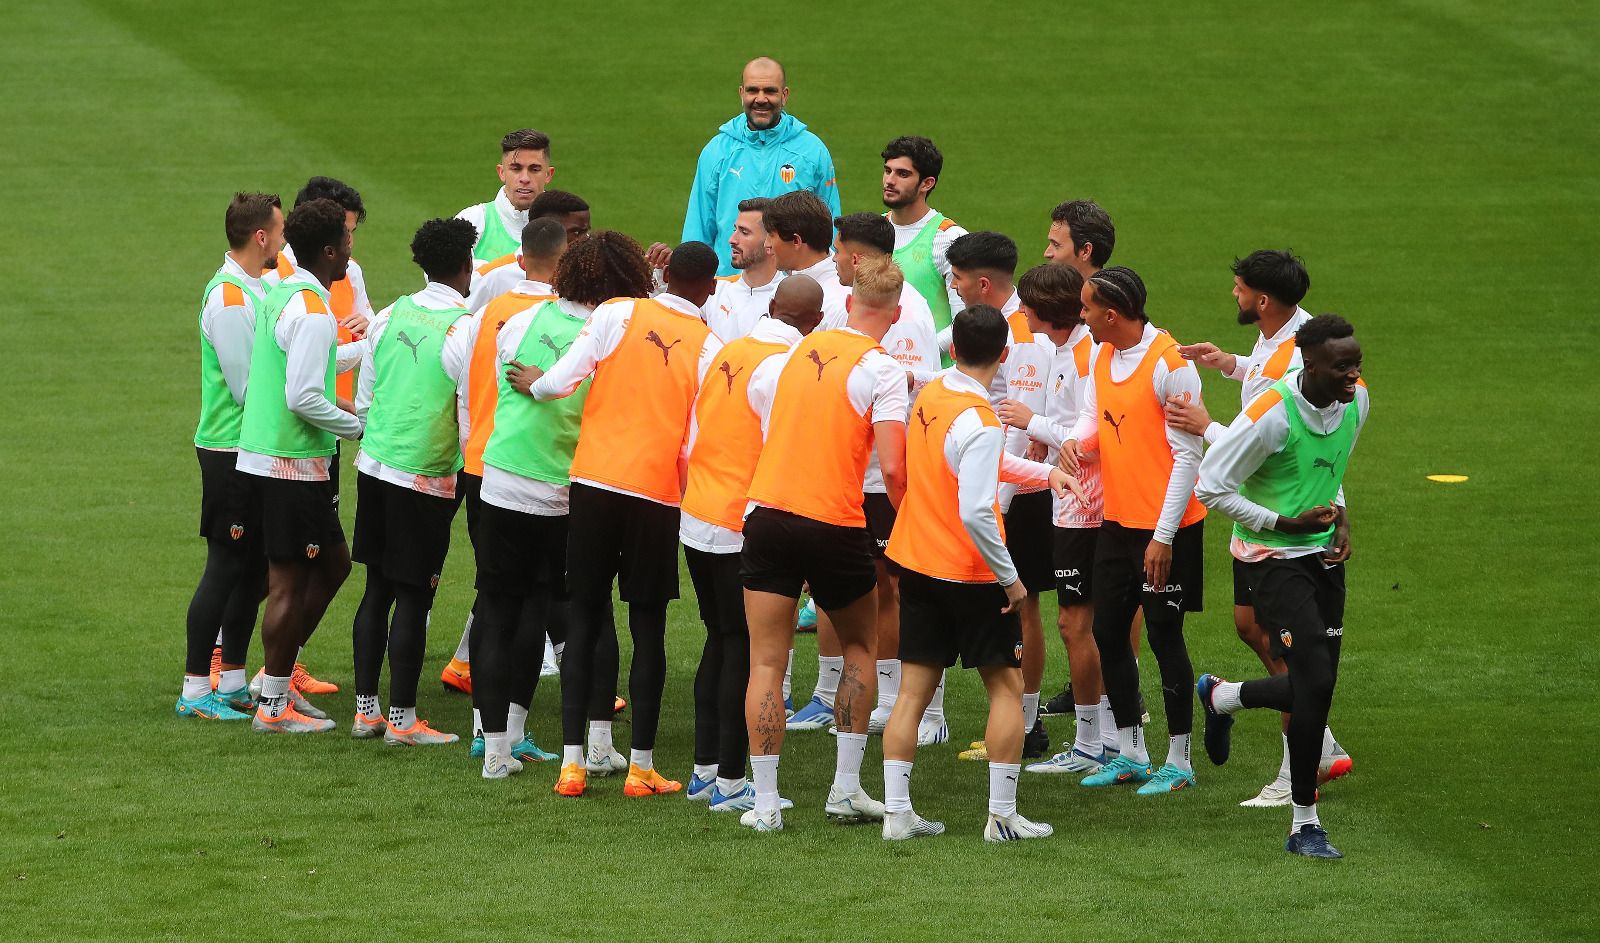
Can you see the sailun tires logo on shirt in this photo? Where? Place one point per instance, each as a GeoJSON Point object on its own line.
{"type": "Point", "coordinates": [786, 173]}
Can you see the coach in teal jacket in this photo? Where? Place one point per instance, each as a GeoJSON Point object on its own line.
{"type": "Point", "coordinates": [762, 152]}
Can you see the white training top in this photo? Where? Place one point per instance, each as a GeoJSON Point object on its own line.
{"type": "Point", "coordinates": [826, 274]}
{"type": "Point", "coordinates": [1249, 370]}
{"type": "Point", "coordinates": [1063, 402]}
{"type": "Point", "coordinates": [512, 218]}
{"type": "Point", "coordinates": [913, 342]}
{"type": "Point", "coordinates": [734, 309]}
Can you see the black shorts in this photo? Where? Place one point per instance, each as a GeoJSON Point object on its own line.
{"type": "Point", "coordinates": [298, 518]}
{"type": "Point", "coordinates": [230, 510]}
{"type": "Point", "coordinates": [469, 489]}
{"type": "Point", "coordinates": [1241, 584]}
{"type": "Point", "coordinates": [1074, 563]}
{"type": "Point", "coordinates": [1119, 568]}
{"type": "Point", "coordinates": [623, 538]}
{"type": "Point", "coordinates": [783, 552]}
{"type": "Point", "coordinates": [518, 552]}
{"type": "Point", "coordinates": [941, 620]}
{"type": "Point", "coordinates": [404, 533]}
{"type": "Point", "coordinates": [880, 520]}
{"type": "Point", "coordinates": [1028, 539]}
{"type": "Point", "coordinates": [1299, 602]}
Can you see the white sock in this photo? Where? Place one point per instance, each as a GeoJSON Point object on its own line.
{"type": "Point", "coordinates": [765, 771]}
{"type": "Point", "coordinates": [829, 668]}
{"type": "Point", "coordinates": [402, 718]}
{"type": "Point", "coordinates": [1003, 788]}
{"type": "Point", "coordinates": [368, 704]}
{"type": "Point", "coordinates": [1130, 740]}
{"type": "Point", "coordinates": [1178, 752]}
{"type": "Point", "coordinates": [1328, 743]}
{"type": "Point", "coordinates": [516, 723]}
{"type": "Point", "coordinates": [477, 723]}
{"type": "Point", "coordinates": [599, 737]}
{"type": "Point", "coordinates": [1283, 770]}
{"type": "Point", "coordinates": [705, 771]}
{"type": "Point", "coordinates": [1087, 735]}
{"type": "Point", "coordinates": [851, 749]}
{"type": "Point", "coordinates": [496, 744]}
{"type": "Point", "coordinates": [888, 682]}
{"type": "Point", "coordinates": [1305, 815]}
{"type": "Point", "coordinates": [731, 787]}
{"type": "Point", "coordinates": [644, 759]}
{"type": "Point", "coordinates": [935, 712]}
{"type": "Point", "coordinates": [274, 695]}
{"type": "Point", "coordinates": [463, 651]}
{"type": "Point", "coordinates": [896, 786]}
{"type": "Point", "coordinates": [231, 679]}
{"type": "Point", "coordinates": [788, 677]}
{"type": "Point", "coordinates": [1108, 724]}
{"type": "Point", "coordinates": [195, 688]}
{"type": "Point", "coordinates": [1030, 711]}
{"type": "Point", "coordinates": [1225, 697]}
{"type": "Point", "coordinates": [571, 753]}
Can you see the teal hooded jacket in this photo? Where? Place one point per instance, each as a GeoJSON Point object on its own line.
{"type": "Point", "coordinates": [740, 163]}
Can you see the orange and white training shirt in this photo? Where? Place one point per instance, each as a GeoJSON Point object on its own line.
{"type": "Point", "coordinates": [1071, 370]}
{"type": "Point", "coordinates": [1269, 361]}
{"type": "Point", "coordinates": [481, 391]}
{"type": "Point", "coordinates": [346, 296]}
{"type": "Point", "coordinates": [494, 278]}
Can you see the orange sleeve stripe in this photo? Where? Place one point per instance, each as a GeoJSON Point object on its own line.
{"type": "Point", "coordinates": [1278, 363]}
{"type": "Point", "coordinates": [232, 297]}
{"type": "Point", "coordinates": [1361, 382]}
{"type": "Point", "coordinates": [314, 303]}
{"type": "Point", "coordinates": [946, 224]}
{"type": "Point", "coordinates": [1263, 404]}
{"type": "Point", "coordinates": [727, 278]}
{"type": "Point", "coordinates": [1173, 359]}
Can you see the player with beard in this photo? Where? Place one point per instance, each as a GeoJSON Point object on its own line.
{"type": "Point", "coordinates": [922, 235]}
{"type": "Point", "coordinates": [742, 300]}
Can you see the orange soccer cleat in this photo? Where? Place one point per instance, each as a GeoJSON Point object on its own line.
{"type": "Point", "coordinates": [648, 782]}
{"type": "Point", "coordinates": [457, 676]}
{"type": "Point", "coordinates": [303, 682]}
{"type": "Point", "coordinates": [574, 779]}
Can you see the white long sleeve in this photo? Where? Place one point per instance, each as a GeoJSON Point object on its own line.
{"type": "Point", "coordinates": [232, 333]}
{"type": "Point", "coordinates": [1187, 449]}
{"type": "Point", "coordinates": [593, 344]}
{"type": "Point", "coordinates": [306, 340]}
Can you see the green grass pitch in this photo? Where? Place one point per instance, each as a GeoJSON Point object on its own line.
{"type": "Point", "coordinates": [1433, 161]}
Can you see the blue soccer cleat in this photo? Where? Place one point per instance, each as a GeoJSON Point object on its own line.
{"type": "Point", "coordinates": [700, 790]}
{"type": "Point", "coordinates": [1311, 841]}
{"type": "Point", "coordinates": [1168, 778]}
{"type": "Point", "coordinates": [1219, 726]}
{"type": "Point", "coordinates": [1118, 772]}
{"type": "Point", "coordinates": [807, 622]}
{"type": "Point", "coordinates": [526, 751]}
{"type": "Point", "coordinates": [815, 715]}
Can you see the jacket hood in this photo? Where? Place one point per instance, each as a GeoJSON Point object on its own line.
{"type": "Point", "coordinates": [738, 128]}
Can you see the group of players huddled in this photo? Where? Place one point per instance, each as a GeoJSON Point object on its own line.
{"type": "Point", "coordinates": [874, 410]}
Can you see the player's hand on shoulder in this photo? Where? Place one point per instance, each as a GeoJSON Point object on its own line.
{"type": "Point", "coordinates": [1187, 415]}
{"type": "Point", "coordinates": [658, 255]}
{"type": "Point", "coordinates": [522, 377]}
{"type": "Point", "coordinates": [1207, 354]}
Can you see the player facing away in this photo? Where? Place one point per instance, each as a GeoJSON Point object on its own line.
{"type": "Point", "coordinates": [1268, 285]}
{"type": "Point", "coordinates": [235, 576]}
{"type": "Point", "coordinates": [647, 356]}
{"type": "Point", "coordinates": [959, 591]}
{"type": "Point", "coordinates": [287, 441]}
{"type": "Point", "coordinates": [524, 171]}
{"type": "Point", "coordinates": [1278, 471]}
{"type": "Point", "coordinates": [837, 397]}
{"type": "Point", "coordinates": [1149, 551]}
{"type": "Point", "coordinates": [494, 278]}
{"type": "Point", "coordinates": [724, 445]}
{"type": "Point", "coordinates": [922, 235]}
{"type": "Point", "coordinates": [416, 363]}
{"type": "Point", "coordinates": [742, 300]}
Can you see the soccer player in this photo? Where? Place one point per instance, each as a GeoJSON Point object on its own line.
{"type": "Point", "coordinates": [838, 396]}
{"type": "Point", "coordinates": [724, 444]}
{"type": "Point", "coordinates": [524, 171]}
{"type": "Point", "coordinates": [234, 580]}
{"type": "Point", "coordinates": [983, 266]}
{"type": "Point", "coordinates": [799, 236]}
{"type": "Point", "coordinates": [1081, 236]}
{"type": "Point", "coordinates": [1052, 300]}
{"type": "Point", "coordinates": [416, 362]}
{"type": "Point", "coordinates": [543, 241]}
{"type": "Point", "coordinates": [494, 278]}
{"type": "Point", "coordinates": [647, 356]}
{"type": "Point", "coordinates": [1268, 286]}
{"type": "Point", "coordinates": [1278, 471]}
{"type": "Point", "coordinates": [1150, 549]}
{"type": "Point", "coordinates": [286, 439]}
{"type": "Point", "coordinates": [526, 502]}
{"type": "Point", "coordinates": [762, 152]}
{"type": "Point", "coordinates": [742, 300]}
{"type": "Point", "coordinates": [922, 235]}
{"type": "Point", "coordinates": [959, 590]}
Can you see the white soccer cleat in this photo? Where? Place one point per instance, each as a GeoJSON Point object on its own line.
{"type": "Point", "coordinates": [1273, 795]}
{"type": "Point", "coordinates": [769, 822]}
{"type": "Point", "coordinates": [855, 807]}
{"type": "Point", "coordinates": [1073, 760]}
{"type": "Point", "coordinates": [552, 664]}
{"type": "Point", "coordinates": [930, 733]}
{"type": "Point", "coordinates": [879, 719]}
{"type": "Point", "coordinates": [1014, 828]}
{"type": "Point", "coordinates": [255, 683]}
{"type": "Point", "coordinates": [605, 763]}
{"type": "Point", "coordinates": [500, 765]}
{"type": "Point", "coordinates": [899, 826]}
{"type": "Point", "coordinates": [299, 703]}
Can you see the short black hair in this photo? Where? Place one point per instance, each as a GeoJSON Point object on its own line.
{"type": "Point", "coordinates": [756, 204]}
{"type": "Point", "coordinates": [525, 139]}
{"type": "Point", "coordinates": [1278, 272]}
{"type": "Point", "coordinates": [556, 203]}
{"type": "Point", "coordinates": [327, 188]}
{"type": "Point", "coordinates": [443, 247]}
{"type": "Point", "coordinates": [977, 251]}
{"type": "Point", "coordinates": [693, 261]}
{"type": "Point", "coordinates": [607, 265]}
{"type": "Point", "coordinates": [867, 229]}
{"type": "Point", "coordinates": [1121, 288]}
{"type": "Point", "coordinates": [1054, 293]}
{"type": "Point", "coordinates": [800, 213]}
{"type": "Point", "coordinates": [313, 226]}
{"type": "Point", "coordinates": [1090, 224]}
{"type": "Point", "coordinates": [247, 213]}
{"type": "Point", "coordinates": [1321, 329]}
{"type": "Point", "coordinates": [925, 157]}
{"type": "Point", "coordinates": [978, 335]}
{"type": "Point", "coordinates": [543, 239]}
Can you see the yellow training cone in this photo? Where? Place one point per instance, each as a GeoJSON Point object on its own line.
{"type": "Point", "coordinates": [1448, 479]}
